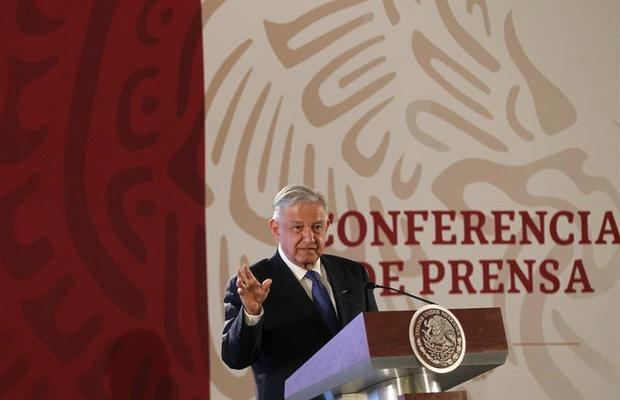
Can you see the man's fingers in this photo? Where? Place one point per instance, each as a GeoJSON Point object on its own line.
{"type": "Point", "coordinates": [239, 274]}
{"type": "Point", "coordinates": [241, 283]}
{"type": "Point", "coordinates": [244, 276]}
{"type": "Point", "coordinates": [248, 285]}
{"type": "Point", "coordinates": [248, 276]}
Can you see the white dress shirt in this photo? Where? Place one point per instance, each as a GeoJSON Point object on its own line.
{"type": "Point", "coordinates": [306, 283]}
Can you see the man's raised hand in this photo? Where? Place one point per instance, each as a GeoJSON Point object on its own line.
{"type": "Point", "coordinates": [251, 291]}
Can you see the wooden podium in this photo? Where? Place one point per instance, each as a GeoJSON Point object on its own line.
{"type": "Point", "coordinates": [372, 358]}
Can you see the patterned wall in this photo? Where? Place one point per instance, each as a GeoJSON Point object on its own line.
{"type": "Point", "coordinates": [102, 244]}
{"type": "Point", "coordinates": [506, 111]}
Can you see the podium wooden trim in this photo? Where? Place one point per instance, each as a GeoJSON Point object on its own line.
{"type": "Point", "coordinates": [374, 348]}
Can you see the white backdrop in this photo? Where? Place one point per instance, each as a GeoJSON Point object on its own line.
{"type": "Point", "coordinates": [396, 106]}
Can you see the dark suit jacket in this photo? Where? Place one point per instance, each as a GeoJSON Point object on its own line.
{"type": "Point", "coordinates": [291, 329]}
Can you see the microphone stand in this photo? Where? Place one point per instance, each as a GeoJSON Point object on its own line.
{"type": "Point", "coordinates": [372, 285]}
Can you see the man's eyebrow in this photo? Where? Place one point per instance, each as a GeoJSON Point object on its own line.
{"type": "Point", "coordinates": [320, 221]}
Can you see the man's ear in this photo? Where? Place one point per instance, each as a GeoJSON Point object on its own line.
{"type": "Point", "coordinates": [274, 227]}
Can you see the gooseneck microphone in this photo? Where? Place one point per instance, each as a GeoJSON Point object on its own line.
{"type": "Point", "coordinates": [372, 285]}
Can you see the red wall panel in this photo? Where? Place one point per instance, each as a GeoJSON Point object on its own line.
{"type": "Point", "coordinates": [102, 243]}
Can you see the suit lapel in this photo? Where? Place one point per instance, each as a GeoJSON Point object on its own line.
{"type": "Point", "coordinates": [339, 286]}
{"type": "Point", "coordinates": [290, 292]}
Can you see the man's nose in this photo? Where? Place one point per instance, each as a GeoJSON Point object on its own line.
{"type": "Point", "coordinates": [308, 234]}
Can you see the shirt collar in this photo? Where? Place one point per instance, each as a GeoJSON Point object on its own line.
{"type": "Point", "coordinates": [298, 271]}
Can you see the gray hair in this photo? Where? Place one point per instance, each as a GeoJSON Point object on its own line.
{"type": "Point", "coordinates": [291, 195]}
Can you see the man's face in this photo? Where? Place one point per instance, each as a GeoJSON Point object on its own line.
{"type": "Point", "coordinates": [301, 231]}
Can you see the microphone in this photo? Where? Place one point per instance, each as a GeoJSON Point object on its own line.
{"type": "Point", "coordinates": [372, 285]}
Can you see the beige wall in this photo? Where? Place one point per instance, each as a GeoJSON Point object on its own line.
{"type": "Point", "coordinates": [420, 105]}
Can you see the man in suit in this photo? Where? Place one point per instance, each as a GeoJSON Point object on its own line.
{"type": "Point", "coordinates": [281, 310]}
